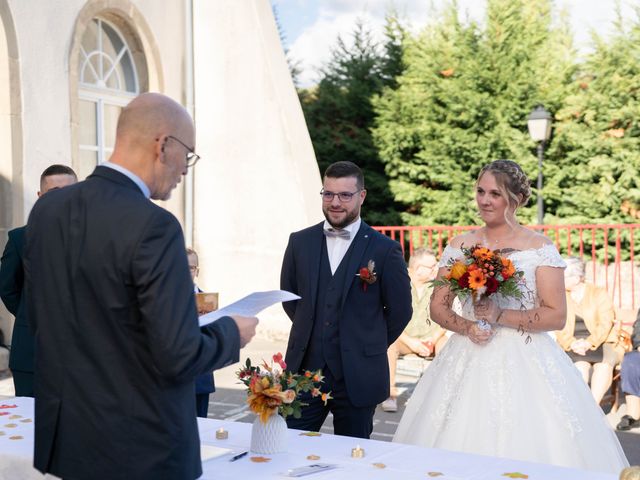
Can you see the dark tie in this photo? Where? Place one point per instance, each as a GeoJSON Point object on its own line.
{"type": "Point", "coordinates": [333, 233]}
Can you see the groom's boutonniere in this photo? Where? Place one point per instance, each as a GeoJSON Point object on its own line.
{"type": "Point", "coordinates": [367, 274]}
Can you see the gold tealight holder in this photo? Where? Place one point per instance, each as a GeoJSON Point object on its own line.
{"type": "Point", "coordinates": [222, 434]}
{"type": "Point", "coordinates": [630, 473]}
{"type": "Point", "coordinates": [357, 452]}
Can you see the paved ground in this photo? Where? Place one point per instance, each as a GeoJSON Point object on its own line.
{"type": "Point", "coordinates": [229, 401]}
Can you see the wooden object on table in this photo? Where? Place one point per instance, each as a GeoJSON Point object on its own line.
{"type": "Point", "coordinates": [206, 302]}
{"type": "Point", "coordinates": [630, 473]}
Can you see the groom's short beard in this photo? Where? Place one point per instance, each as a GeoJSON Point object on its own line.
{"type": "Point", "coordinates": [348, 219]}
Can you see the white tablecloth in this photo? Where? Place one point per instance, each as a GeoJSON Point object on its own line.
{"type": "Point", "coordinates": [403, 462]}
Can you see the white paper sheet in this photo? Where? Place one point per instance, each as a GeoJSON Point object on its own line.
{"type": "Point", "coordinates": [249, 306]}
{"type": "Point", "coordinates": [207, 452]}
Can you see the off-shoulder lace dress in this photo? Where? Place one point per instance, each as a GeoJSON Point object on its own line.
{"type": "Point", "coordinates": [519, 396]}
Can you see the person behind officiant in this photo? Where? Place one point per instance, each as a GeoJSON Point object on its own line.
{"type": "Point", "coordinates": [110, 300]}
{"type": "Point", "coordinates": [356, 300]}
{"type": "Point", "coordinates": [21, 356]}
{"type": "Point", "coordinates": [588, 336]}
{"type": "Point", "coordinates": [421, 337]}
{"type": "Point", "coordinates": [205, 383]}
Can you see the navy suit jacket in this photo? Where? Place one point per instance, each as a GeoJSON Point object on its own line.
{"type": "Point", "coordinates": [118, 344]}
{"type": "Point", "coordinates": [205, 383]}
{"type": "Point", "coordinates": [370, 320]}
{"type": "Point", "coordinates": [11, 292]}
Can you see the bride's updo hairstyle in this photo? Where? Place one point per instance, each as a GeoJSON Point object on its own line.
{"type": "Point", "coordinates": [512, 181]}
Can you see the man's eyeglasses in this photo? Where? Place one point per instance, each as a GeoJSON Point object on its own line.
{"type": "Point", "coordinates": [344, 197]}
{"type": "Point", "coordinates": [191, 157]}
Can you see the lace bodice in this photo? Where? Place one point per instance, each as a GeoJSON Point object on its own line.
{"type": "Point", "coordinates": [526, 261]}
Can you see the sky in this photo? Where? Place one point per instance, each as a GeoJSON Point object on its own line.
{"type": "Point", "coordinates": [311, 27]}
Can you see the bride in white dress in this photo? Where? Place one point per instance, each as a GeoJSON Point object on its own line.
{"type": "Point", "coordinates": [509, 391]}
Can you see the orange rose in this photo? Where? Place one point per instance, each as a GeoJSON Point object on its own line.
{"type": "Point", "coordinates": [457, 270]}
{"type": "Point", "coordinates": [266, 402]}
{"type": "Point", "coordinates": [288, 396]}
{"type": "Point", "coordinates": [507, 268]}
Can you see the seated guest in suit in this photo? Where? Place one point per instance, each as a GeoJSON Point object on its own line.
{"type": "Point", "coordinates": [356, 300]}
{"type": "Point", "coordinates": [11, 285]}
{"type": "Point", "coordinates": [630, 380]}
{"type": "Point", "coordinates": [205, 384]}
{"type": "Point", "coordinates": [421, 336]}
{"type": "Point", "coordinates": [588, 336]}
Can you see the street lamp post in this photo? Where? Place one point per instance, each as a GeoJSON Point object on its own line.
{"type": "Point", "coordinates": [539, 123]}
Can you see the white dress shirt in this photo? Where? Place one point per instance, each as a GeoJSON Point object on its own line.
{"type": "Point", "coordinates": [136, 179]}
{"type": "Point", "coordinates": [337, 246]}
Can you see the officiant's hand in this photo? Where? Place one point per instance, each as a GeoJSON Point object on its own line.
{"type": "Point", "coordinates": [487, 310]}
{"type": "Point", "coordinates": [246, 328]}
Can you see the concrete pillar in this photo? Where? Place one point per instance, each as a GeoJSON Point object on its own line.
{"type": "Point", "coordinates": [258, 179]}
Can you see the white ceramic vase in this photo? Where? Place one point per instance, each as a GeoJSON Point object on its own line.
{"type": "Point", "coordinates": [270, 437]}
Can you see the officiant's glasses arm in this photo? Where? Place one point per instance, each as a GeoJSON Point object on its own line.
{"type": "Point", "coordinates": [344, 197]}
{"type": "Point", "coordinates": [191, 157]}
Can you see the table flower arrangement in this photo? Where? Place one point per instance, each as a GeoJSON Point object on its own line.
{"type": "Point", "coordinates": [273, 394]}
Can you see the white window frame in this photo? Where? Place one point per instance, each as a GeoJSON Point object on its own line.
{"type": "Point", "coordinates": [100, 94]}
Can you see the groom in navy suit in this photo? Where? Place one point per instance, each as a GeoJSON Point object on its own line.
{"type": "Point", "coordinates": [356, 300]}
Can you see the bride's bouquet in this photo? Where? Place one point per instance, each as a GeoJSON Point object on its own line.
{"type": "Point", "coordinates": [481, 272]}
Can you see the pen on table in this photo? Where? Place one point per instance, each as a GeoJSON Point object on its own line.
{"type": "Point", "coordinates": [238, 457]}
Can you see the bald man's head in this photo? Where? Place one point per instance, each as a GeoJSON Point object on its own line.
{"type": "Point", "coordinates": [148, 115]}
{"type": "Point", "coordinates": [153, 136]}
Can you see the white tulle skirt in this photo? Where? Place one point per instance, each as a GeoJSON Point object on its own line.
{"type": "Point", "coordinates": [513, 399]}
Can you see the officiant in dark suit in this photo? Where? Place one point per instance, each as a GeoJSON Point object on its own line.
{"type": "Point", "coordinates": [111, 300]}
{"type": "Point", "coordinates": [356, 300]}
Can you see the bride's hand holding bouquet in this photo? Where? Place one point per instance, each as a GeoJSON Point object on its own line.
{"type": "Point", "coordinates": [480, 273]}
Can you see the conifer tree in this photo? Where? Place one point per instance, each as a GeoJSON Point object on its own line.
{"type": "Point", "coordinates": [339, 112]}
{"type": "Point", "coordinates": [597, 138]}
{"type": "Point", "coordinates": [463, 101]}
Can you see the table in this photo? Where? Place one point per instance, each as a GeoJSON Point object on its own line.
{"type": "Point", "coordinates": [400, 461]}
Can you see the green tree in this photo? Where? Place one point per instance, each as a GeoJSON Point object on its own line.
{"type": "Point", "coordinates": [597, 136]}
{"type": "Point", "coordinates": [339, 112]}
{"type": "Point", "coordinates": [463, 101]}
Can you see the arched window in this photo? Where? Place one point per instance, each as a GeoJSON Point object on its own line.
{"type": "Point", "coordinates": [107, 81]}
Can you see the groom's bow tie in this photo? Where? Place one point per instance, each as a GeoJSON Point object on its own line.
{"type": "Point", "coordinates": [331, 232]}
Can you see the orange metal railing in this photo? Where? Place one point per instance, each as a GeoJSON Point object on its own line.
{"type": "Point", "coordinates": [609, 250]}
